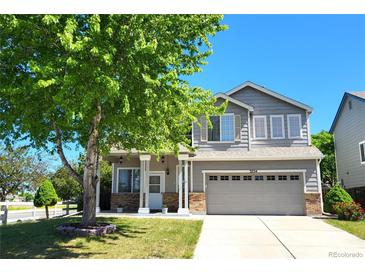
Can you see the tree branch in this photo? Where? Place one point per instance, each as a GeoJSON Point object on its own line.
{"type": "Point", "coordinates": [60, 152]}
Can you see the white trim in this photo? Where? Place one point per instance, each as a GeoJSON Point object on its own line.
{"type": "Point", "coordinates": [126, 168]}
{"type": "Point", "coordinates": [204, 186]}
{"type": "Point", "coordinates": [234, 101]}
{"type": "Point", "coordinates": [309, 136]}
{"type": "Point", "coordinates": [282, 126]}
{"type": "Point", "coordinates": [220, 130]}
{"type": "Point", "coordinates": [177, 178]}
{"type": "Point", "coordinates": [113, 173]}
{"type": "Point", "coordinates": [204, 171]}
{"type": "Point", "coordinates": [300, 126]}
{"type": "Point", "coordinates": [269, 92]}
{"type": "Point", "coordinates": [361, 143]}
{"type": "Point", "coordinates": [254, 124]}
{"type": "Point", "coordinates": [191, 177]}
{"type": "Point", "coordinates": [183, 156]}
{"type": "Point", "coordinates": [162, 183]}
{"type": "Point", "coordinates": [145, 157]}
{"type": "Point", "coordinates": [318, 170]}
{"type": "Point", "coordinates": [259, 158]}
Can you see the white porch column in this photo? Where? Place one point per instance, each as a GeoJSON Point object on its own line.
{"type": "Point", "coordinates": [98, 189]}
{"type": "Point", "coordinates": [147, 183]}
{"type": "Point", "coordinates": [183, 166]}
{"type": "Point", "coordinates": [144, 188]}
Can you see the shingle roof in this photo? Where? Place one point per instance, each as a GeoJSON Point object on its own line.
{"type": "Point", "coordinates": [266, 153]}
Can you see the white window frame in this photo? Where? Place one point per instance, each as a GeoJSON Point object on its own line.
{"type": "Point", "coordinates": [127, 168]}
{"type": "Point", "coordinates": [361, 143]}
{"type": "Point", "coordinates": [282, 126]}
{"type": "Point", "coordinates": [254, 127]}
{"type": "Point", "coordinates": [220, 130]}
{"type": "Point", "coordinates": [300, 126]}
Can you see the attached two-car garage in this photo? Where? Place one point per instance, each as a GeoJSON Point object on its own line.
{"type": "Point", "coordinates": [255, 193]}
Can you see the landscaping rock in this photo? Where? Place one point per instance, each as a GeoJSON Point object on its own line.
{"type": "Point", "coordinates": [77, 230]}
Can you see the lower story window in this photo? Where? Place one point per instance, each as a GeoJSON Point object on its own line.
{"type": "Point", "coordinates": [247, 178]}
{"type": "Point", "coordinates": [236, 178]}
{"type": "Point", "coordinates": [224, 178]}
{"type": "Point", "coordinates": [259, 178]}
{"type": "Point", "coordinates": [128, 180]}
{"type": "Point", "coordinates": [213, 178]}
{"type": "Point", "coordinates": [294, 177]}
{"type": "Point", "coordinates": [282, 177]}
{"type": "Point", "coordinates": [270, 178]}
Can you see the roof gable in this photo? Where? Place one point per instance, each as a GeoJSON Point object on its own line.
{"type": "Point", "coordinates": [234, 101]}
{"type": "Point", "coordinates": [271, 93]}
{"type": "Point", "coordinates": [360, 96]}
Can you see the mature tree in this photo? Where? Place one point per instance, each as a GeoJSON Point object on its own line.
{"type": "Point", "coordinates": [103, 80]}
{"type": "Point", "coordinates": [19, 171]}
{"type": "Point", "coordinates": [67, 188]}
{"type": "Point", "coordinates": [324, 142]}
{"type": "Point", "coordinates": [45, 196]}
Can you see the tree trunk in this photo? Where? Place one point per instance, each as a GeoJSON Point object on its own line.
{"type": "Point", "coordinates": [47, 214]}
{"type": "Point", "coordinates": [90, 179]}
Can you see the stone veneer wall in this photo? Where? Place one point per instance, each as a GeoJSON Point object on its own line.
{"type": "Point", "coordinates": [312, 203]}
{"type": "Point", "coordinates": [197, 202]}
{"type": "Point", "coordinates": [171, 200]}
{"type": "Point", "coordinates": [129, 201]}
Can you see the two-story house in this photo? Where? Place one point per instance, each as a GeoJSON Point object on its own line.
{"type": "Point", "coordinates": [257, 159]}
{"type": "Point", "coordinates": [348, 129]}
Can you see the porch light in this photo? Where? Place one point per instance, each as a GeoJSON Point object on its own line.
{"type": "Point", "coordinates": [162, 159]}
{"type": "Point", "coordinates": [167, 171]}
{"type": "Point", "coordinates": [121, 159]}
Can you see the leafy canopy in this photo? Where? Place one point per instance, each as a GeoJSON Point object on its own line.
{"type": "Point", "coordinates": [324, 142]}
{"type": "Point", "coordinates": [46, 195]}
{"type": "Point", "coordinates": [56, 70]}
{"type": "Point", "coordinates": [67, 188]}
{"type": "Point", "coordinates": [19, 171]}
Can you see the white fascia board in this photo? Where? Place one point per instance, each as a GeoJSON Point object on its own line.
{"type": "Point", "coordinates": [234, 101]}
{"type": "Point", "coordinates": [270, 92]}
{"type": "Point", "coordinates": [255, 159]}
{"type": "Point", "coordinates": [256, 171]}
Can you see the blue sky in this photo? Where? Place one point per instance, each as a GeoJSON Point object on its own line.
{"type": "Point", "coordinates": [311, 58]}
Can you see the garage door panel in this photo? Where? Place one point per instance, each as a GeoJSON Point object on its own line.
{"type": "Point", "coordinates": [255, 197]}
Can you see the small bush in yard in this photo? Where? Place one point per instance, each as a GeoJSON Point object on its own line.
{"type": "Point", "coordinates": [337, 194]}
{"type": "Point", "coordinates": [45, 196]}
{"type": "Point", "coordinates": [349, 211]}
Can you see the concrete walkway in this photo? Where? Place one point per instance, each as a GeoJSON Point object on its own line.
{"type": "Point", "coordinates": [235, 237]}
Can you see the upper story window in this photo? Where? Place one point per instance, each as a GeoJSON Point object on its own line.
{"type": "Point", "coordinates": [259, 127]}
{"type": "Point", "coordinates": [294, 126]}
{"type": "Point", "coordinates": [223, 128]}
{"type": "Point", "coordinates": [277, 126]}
{"type": "Point", "coordinates": [362, 152]}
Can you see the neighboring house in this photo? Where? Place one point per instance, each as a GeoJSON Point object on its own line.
{"type": "Point", "coordinates": [348, 129]}
{"type": "Point", "coordinates": [257, 159]}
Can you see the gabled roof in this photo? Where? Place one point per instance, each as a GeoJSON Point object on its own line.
{"type": "Point", "coordinates": [271, 93]}
{"type": "Point", "coordinates": [359, 95]}
{"type": "Point", "coordinates": [234, 101]}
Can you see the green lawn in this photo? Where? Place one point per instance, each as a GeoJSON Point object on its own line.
{"type": "Point", "coordinates": [356, 228]}
{"type": "Point", "coordinates": [134, 239]}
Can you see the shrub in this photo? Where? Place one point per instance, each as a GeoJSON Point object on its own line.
{"type": "Point", "coordinates": [337, 194]}
{"type": "Point", "coordinates": [45, 196]}
{"type": "Point", "coordinates": [349, 211]}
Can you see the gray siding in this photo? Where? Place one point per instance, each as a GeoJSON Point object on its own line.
{"type": "Point", "coordinates": [243, 144]}
{"type": "Point", "coordinates": [311, 184]}
{"type": "Point", "coordinates": [349, 131]}
{"type": "Point", "coordinates": [264, 104]}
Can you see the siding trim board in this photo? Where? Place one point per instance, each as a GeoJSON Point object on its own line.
{"type": "Point", "coordinates": [234, 101]}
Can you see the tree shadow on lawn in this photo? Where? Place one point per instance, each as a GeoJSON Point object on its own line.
{"type": "Point", "coordinates": [32, 240]}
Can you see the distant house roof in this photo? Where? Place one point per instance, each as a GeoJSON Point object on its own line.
{"type": "Point", "coordinates": [234, 101]}
{"type": "Point", "coordinates": [358, 95]}
{"type": "Point", "coordinates": [270, 92]}
{"type": "Point", "coordinates": [259, 154]}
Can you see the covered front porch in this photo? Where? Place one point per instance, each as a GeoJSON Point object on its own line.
{"type": "Point", "coordinates": [144, 184]}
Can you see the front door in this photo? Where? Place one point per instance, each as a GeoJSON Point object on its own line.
{"type": "Point", "coordinates": [156, 187]}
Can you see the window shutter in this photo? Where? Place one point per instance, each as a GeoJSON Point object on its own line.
{"type": "Point", "coordinates": [203, 130]}
{"type": "Point", "coordinates": [237, 125]}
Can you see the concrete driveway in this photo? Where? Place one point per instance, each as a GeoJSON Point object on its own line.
{"type": "Point", "coordinates": [235, 237]}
